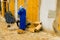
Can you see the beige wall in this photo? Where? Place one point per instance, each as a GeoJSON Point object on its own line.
{"type": "Point", "coordinates": [47, 5]}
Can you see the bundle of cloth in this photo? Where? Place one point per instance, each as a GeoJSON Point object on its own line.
{"type": "Point", "coordinates": [9, 17]}
{"type": "Point", "coordinates": [34, 26]}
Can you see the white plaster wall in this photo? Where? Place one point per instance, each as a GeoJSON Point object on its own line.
{"type": "Point", "coordinates": [16, 10]}
{"type": "Point", "coordinates": [47, 5]}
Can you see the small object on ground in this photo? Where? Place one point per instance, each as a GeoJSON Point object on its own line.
{"type": "Point", "coordinates": [8, 26]}
{"type": "Point", "coordinates": [31, 29]}
{"type": "Point", "coordinates": [12, 27]}
{"type": "Point", "coordinates": [35, 27]}
{"type": "Point", "coordinates": [28, 23]}
{"type": "Point", "coordinates": [19, 31]}
{"type": "Point", "coordinates": [18, 23]}
{"type": "Point", "coordinates": [38, 28]}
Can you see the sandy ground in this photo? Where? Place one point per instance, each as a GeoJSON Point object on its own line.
{"type": "Point", "coordinates": [7, 34]}
{"type": "Point", "coordinates": [13, 35]}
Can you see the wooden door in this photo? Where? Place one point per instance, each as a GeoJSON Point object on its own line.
{"type": "Point", "coordinates": [20, 3]}
{"type": "Point", "coordinates": [12, 6]}
{"type": "Point", "coordinates": [4, 6]}
{"type": "Point", "coordinates": [32, 9]}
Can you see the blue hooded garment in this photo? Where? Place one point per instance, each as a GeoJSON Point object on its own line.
{"type": "Point", "coordinates": [22, 14]}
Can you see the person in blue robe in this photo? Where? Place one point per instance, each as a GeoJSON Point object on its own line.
{"type": "Point", "coordinates": [22, 16]}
